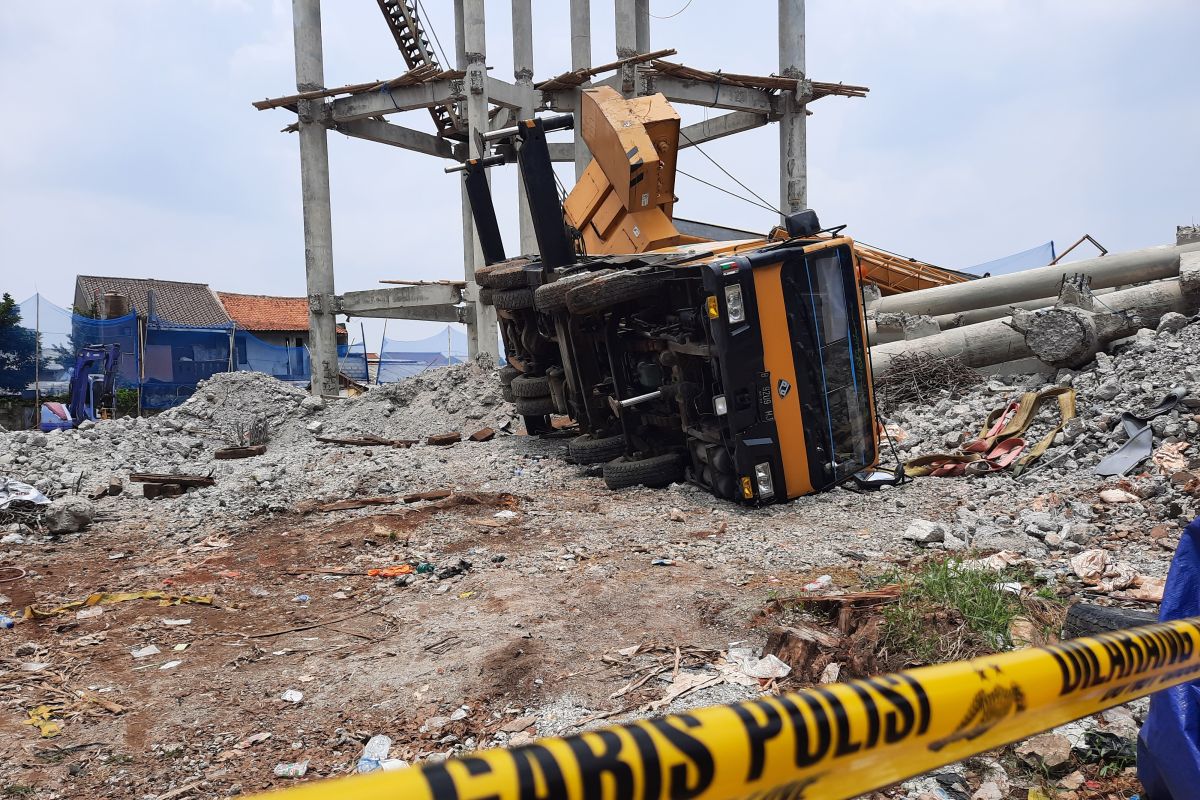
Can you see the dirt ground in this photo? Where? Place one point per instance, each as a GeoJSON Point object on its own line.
{"type": "Point", "coordinates": [525, 642]}
{"type": "Point", "coordinates": [369, 656]}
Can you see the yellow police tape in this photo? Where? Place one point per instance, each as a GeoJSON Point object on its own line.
{"type": "Point", "coordinates": [832, 742]}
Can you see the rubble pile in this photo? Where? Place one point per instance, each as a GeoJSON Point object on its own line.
{"type": "Point", "coordinates": [296, 466]}
{"type": "Point", "coordinates": [463, 398]}
{"type": "Point", "coordinates": [1082, 506]}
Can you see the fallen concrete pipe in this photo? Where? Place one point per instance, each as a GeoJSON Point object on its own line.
{"type": "Point", "coordinates": [1117, 269]}
{"type": "Point", "coordinates": [958, 319]}
{"type": "Point", "coordinates": [1057, 336]}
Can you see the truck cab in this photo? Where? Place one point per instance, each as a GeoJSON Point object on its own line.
{"type": "Point", "coordinates": [741, 366]}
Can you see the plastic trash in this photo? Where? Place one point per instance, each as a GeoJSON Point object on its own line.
{"type": "Point", "coordinates": [293, 770]}
{"type": "Point", "coordinates": [6, 621]}
{"type": "Point", "coordinates": [1168, 757]}
{"type": "Point", "coordinates": [375, 753]}
{"type": "Point", "coordinates": [301, 598]}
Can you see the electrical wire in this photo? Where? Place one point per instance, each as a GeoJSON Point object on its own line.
{"type": "Point", "coordinates": [429, 25]}
{"type": "Point", "coordinates": [676, 14]}
{"type": "Point", "coordinates": [731, 175]}
{"type": "Point", "coordinates": [726, 191]}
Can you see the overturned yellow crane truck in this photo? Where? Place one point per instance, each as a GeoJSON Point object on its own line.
{"type": "Point", "coordinates": [739, 365]}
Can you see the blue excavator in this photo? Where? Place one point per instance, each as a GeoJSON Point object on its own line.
{"type": "Point", "coordinates": [92, 388]}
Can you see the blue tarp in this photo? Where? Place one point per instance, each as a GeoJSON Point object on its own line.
{"type": "Point", "coordinates": [1168, 762]}
{"type": "Point", "coordinates": [292, 363]}
{"type": "Point", "coordinates": [1038, 256]}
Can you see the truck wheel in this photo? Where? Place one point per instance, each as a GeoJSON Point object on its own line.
{"type": "Point", "coordinates": [534, 406]}
{"type": "Point", "coordinates": [656, 471]}
{"type": "Point", "coordinates": [553, 296]}
{"type": "Point", "coordinates": [507, 374]}
{"type": "Point", "coordinates": [485, 295]}
{"type": "Point", "coordinates": [530, 386]}
{"type": "Point", "coordinates": [586, 450]}
{"type": "Point", "coordinates": [483, 275]}
{"type": "Point", "coordinates": [512, 299]}
{"type": "Point", "coordinates": [510, 276]}
{"type": "Point", "coordinates": [1085, 619]}
{"type": "Point", "coordinates": [609, 290]}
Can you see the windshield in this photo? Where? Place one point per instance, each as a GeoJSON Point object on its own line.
{"type": "Point", "coordinates": [823, 321]}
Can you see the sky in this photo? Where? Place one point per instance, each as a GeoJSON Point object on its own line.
{"type": "Point", "coordinates": [131, 148]}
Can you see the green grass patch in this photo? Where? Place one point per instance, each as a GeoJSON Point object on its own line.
{"type": "Point", "coordinates": [948, 611]}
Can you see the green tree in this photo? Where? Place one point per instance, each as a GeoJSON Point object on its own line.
{"type": "Point", "coordinates": [18, 349]}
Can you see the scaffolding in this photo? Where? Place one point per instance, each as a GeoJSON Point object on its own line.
{"type": "Point", "coordinates": [465, 102]}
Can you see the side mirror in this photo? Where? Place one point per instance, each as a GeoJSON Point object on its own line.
{"type": "Point", "coordinates": [802, 223]}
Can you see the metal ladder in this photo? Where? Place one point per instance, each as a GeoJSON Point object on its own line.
{"type": "Point", "coordinates": [402, 19]}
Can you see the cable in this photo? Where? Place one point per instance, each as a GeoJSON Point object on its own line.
{"type": "Point", "coordinates": [731, 176]}
{"type": "Point", "coordinates": [676, 14]}
{"type": "Point", "coordinates": [726, 191]}
{"type": "Point", "coordinates": [438, 42]}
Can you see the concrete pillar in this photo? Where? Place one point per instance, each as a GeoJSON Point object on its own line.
{"type": "Point", "coordinates": [522, 30]}
{"type": "Point", "coordinates": [793, 127]}
{"type": "Point", "coordinates": [1053, 335]}
{"type": "Point", "coordinates": [626, 18]}
{"type": "Point", "coordinates": [314, 187]}
{"type": "Point", "coordinates": [481, 337]}
{"type": "Point", "coordinates": [642, 12]}
{"type": "Point", "coordinates": [468, 222]}
{"type": "Point", "coordinates": [581, 58]}
{"type": "Point", "coordinates": [1114, 269]}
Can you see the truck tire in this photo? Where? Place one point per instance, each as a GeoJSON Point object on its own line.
{"type": "Point", "coordinates": [586, 450]}
{"type": "Point", "coordinates": [609, 290]}
{"type": "Point", "coordinates": [534, 406]}
{"type": "Point", "coordinates": [530, 386]}
{"type": "Point", "coordinates": [506, 393]}
{"type": "Point", "coordinates": [553, 296]}
{"type": "Point", "coordinates": [655, 471]}
{"type": "Point", "coordinates": [507, 374]}
{"type": "Point", "coordinates": [509, 276]}
{"type": "Point", "coordinates": [483, 275]}
{"type": "Point", "coordinates": [1085, 619]}
{"type": "Point", "coordinates": [485, 295]}
{"type": "Point", "coordinates": [513, 299]}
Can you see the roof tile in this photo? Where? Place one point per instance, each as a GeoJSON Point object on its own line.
{"type": "Point", "coordinates": [174, 301]}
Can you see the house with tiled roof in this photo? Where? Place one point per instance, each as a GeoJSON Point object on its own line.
{"type": "Point", "coordinates": [179, 302]}
{"type": "Point", "coordinates": [278, 328]}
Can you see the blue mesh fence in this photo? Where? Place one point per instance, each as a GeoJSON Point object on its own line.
{"type": "Point", "coordinates": [62, 334]}
{"type": "Point", "coordinates": [177, 357]}
{"type": "Point", "coordinates": [291, 363]}
{"type": "Point", "coordinates": [400, 359]}
{"type": "Point", "coordinates": [173, 357]}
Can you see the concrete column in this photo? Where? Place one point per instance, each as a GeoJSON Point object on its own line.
{"type": "Point", "coordinates": [468, 222]}
{"type": "Point", "coordinates": [581, 58]}
{"type": "Point", "coordinates": [1114, 269]}
{"type": "Point", "coordinates": [626, 17]}
{"type": "Point", "coordinates": [522, 30]}
{"type": "Point", "coordinates": [642, 20]}
{"type": "Point", "coordinates": [793, 132]}
{"type": "Point", "coordinates": [481, 338]}
{"type": "Point", "coordinates": [314, 187]}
